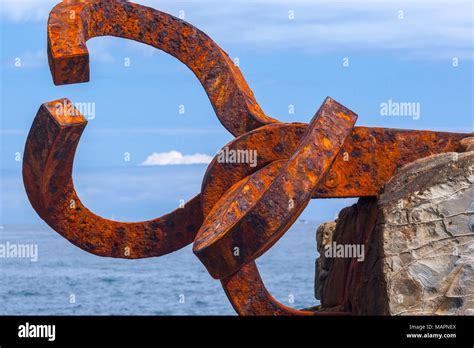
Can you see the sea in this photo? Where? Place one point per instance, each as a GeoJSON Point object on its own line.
{"type": "Point", "coordinates": [64, 280]}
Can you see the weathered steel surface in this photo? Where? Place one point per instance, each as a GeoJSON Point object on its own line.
{"type": "Point", "coordinates": [246, 208]}
{"type": "Point", "coordinates": [371, 156]}
{"type": "Point", "coordinates": [72, 23]}
{"type": "Point", "coordinates": [237, 183]}
{"type": "Point", "coordinates": [47, 169]}
{"type": "Point", "coordinates": [248, 295]}
{"type": "Point", "coordinates": [245, 288]}
{"type": "Point", "coordinates": [267, 211]}
{"type": "Point", "coordinates": [367, 160]}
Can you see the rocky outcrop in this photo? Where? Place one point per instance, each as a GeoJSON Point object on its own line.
{"type": "Point", "coordinates": [416, 240]}
{"type": "Point", "coordinates": [467, 144]}
{"type": "Point", "coordinates": [324, 237]}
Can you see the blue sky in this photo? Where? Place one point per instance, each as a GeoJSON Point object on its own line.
{"type": "Point", "coordinates": [290, 52]}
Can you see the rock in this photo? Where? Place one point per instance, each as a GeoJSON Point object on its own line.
{"type": "Point", "coordinates": [417, 240]}
{"type": "Point", "coordinates": [467, 144]}
{"type": "Point", "coordinates": [323, 238]}
{"type": "Point", "coordinates": [341, 276]}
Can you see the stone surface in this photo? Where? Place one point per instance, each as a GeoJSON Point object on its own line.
{"type": "Point", "coordinates": [324, 237]}
{"type": "Point", "coordinates": [418, 240]}
{"type": "Point", "coordinates": [467, 144]}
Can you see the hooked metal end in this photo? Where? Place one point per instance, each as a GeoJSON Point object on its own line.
{"type": "Point", "coordinates": [68, 56]}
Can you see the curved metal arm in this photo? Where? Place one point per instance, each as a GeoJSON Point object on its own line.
{"type": "Point", "coordinates": [247, 294]}
{"type": "Point", "coordinates": [229, 191]}
{"type": "Point", "coordinates": [263, 207]}
{"type": "Point", "coordinates": [47, 168]}
{"type": "Point", "coordinates": [72, 23]}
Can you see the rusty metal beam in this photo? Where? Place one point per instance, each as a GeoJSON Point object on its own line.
{"type": "Point", "coordinates": [72, 23]}
{"type": "Point", "coordinates": [371, 156]}
{"type": "Point", "coordinates": [235, 182]}
{"type": "Point", "coordinates": [367, 160]}
{"type": "Point", "coordinates": [266, 205]}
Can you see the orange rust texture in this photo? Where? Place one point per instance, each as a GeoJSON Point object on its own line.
{"type": "Point", "coordinates": [247, 294]}
{"type": "Point", "coordinates": [367, 160]}
{"type": "Point", "coordinates": [265, 216]}
{"type": "Point", "coordinates": [72, 23]}
{"type": "Point", "coordinates": [47, 169]}
{"type": "Point", "coordinates": [244, 288]}
{"type": "Point", "coordinates": [371, 156]}
{"type": "Point", "coordinates": [229, 210]}
{"type": "Point", "coordinates": [240, 197]}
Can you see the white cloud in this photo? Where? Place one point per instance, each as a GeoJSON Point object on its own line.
{"type": "Point", "coordinates": [429, 28]}
{"type": "Point", "coordinates": [175, 157]}
{"type": "Point", "coordinates": [26, 10]}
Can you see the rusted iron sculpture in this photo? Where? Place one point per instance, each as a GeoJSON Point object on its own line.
{"type": "Point", "coordinates": [240, 206]}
